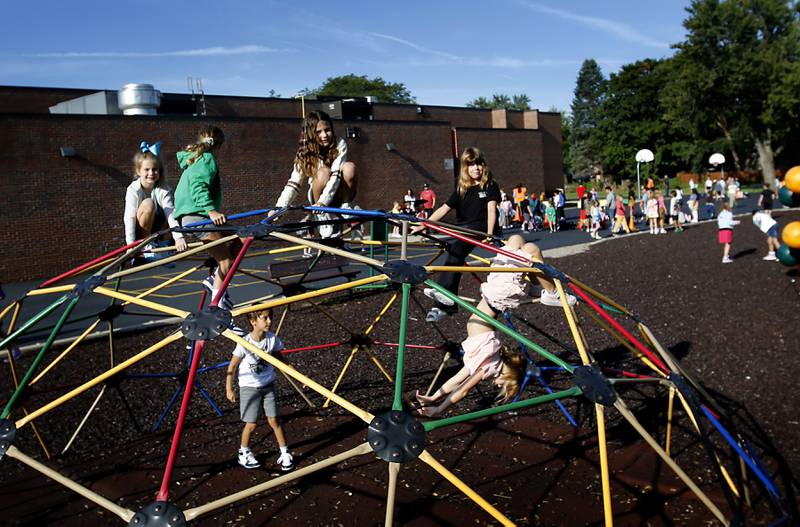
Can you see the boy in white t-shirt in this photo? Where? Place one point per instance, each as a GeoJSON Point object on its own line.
{"type": "Point", "coordinates": [768, 226]}
{"type": "Point", "coordinates": [256, 388]}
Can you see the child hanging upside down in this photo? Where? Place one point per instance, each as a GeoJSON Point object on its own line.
{"type": "Point", "coordinates": [483, 356]}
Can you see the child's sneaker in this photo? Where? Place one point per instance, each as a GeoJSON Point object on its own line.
{"type": "Point", "coordinates": [225, 302]}
{"type": "Point", "coordinates": [286, 462]}
{"type": "Point", "coordinates": [247, 459]}
{"type": "Point", "coordinates": [436, 315]}
{"type": "Point", "coordinates": [553, 300]}
{"type": "Point", "coordinates": [439, 297]}
{"type": "Point", "coordinates": [727, 259]}
{"type": "Point", "coordinates": [770, 256]}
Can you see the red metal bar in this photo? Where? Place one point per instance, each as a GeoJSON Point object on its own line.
{"type": "Point", "coordinates": [317, 347]}
{"type": "Point", "coordinates": [492, 248]}
{"type": "Point", "coordinates": [163, 493]}
{"type": "Point", "coordinates": [633, 340]}
{"type": "Point", "coordinates": [89, 264]}
{"type": "Point", "coordinates": [628, 374]}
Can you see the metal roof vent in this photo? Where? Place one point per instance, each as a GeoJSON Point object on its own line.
{"type": "Point", "coordinates": [139, 99]}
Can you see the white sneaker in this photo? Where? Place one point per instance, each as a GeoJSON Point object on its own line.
{"type": "Point", "coordinates": [247, 459]}
{"type": "Point", "coordinates": [437, 296]}
{"type": "Point", "coordinates": [770, 256]}
{"type": "Point", "coordinates": [662, 231]}
{"type": "Point", "coordinates": [436, 315]}
{"type": "Point", "coordinates": [553, 300]}
{"type": "Point", "coordinates": [727, 259]}
{"type": "Point", "coordinates": [286, 461]}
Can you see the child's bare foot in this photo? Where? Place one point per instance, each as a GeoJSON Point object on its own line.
{"type": "Point", "coordinates": [426, 411]}
{"type": "Point", "coordinates": [423, 399]}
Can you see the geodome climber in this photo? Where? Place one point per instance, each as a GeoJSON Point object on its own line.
{"type": "Point", "coordinates": [395, 436]}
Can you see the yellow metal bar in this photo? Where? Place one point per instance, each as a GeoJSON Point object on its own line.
{"type": "Point", "coordinates": [394, 469]}
{"type": "Point", "coordinates": [327, 249]}
{"type": "Point", "coordinates": [608, 329]}
{"type": "Point", "coordinates": [474, 496]}
{"type": "Point", "coordinates": [620, 406]}
{"type": "Point", "coordinates": [604, 472]}
{"type": "Point", "coordinates": [291, 372]}
{"type": "Point", "coordinates": [107, 504]}
{"type": "Point", "coordinates": [51, 290]}
{"type": "Point", "coordinates": [8, 308]}
{"type": "Point", "coordinates": [100, 378]}
{"type": "Point", "coordinates": [142, 302]}
{"type": "Point", "coordinates": [64, 353]}
{"type": "Point", "coordinates": [173, 258]}
{"type": "Point", "coordinates": [311, 294]}
{"type": "Point", "coordinates": [341, 374]}
{"type": "Point", "coordinates": [297, 473]}
{"type": "Point", "coordinates": [670, 410]}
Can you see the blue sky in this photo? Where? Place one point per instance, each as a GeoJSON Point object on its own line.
{"type": "Point", "coordinates": [445, 52]}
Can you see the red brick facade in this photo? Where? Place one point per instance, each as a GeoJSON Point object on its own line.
{"type": "Point", "coordinates": [59, 212]}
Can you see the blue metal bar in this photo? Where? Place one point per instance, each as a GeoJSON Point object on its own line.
{"type": "Point", "coordinates": [208, 398]}
{"type": "Point", "coordinates": [167, 409]}
{"type": "Point", "coordinates": [770, 486]}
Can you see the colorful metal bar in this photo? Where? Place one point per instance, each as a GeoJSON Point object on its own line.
{"type": "Point", "coordinates": [401, 351]}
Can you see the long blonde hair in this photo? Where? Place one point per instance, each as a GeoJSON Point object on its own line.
{"type": "Point", "coordinates": [472, 156]}
{"type": "Point", "coordinates": [309, 153]}
{"type": "Point", "coordinates": [511, 374]}
{"type": "Point", "coordinates": [207, 138]}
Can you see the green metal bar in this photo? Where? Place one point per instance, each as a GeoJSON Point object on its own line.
{"type": "Point", "coordinates": [571, 392]}
{"type": "Point", "coordinates": [24, 382]}
{"type": "Point", "coordinates": [502, 327]}
{"type": "Point", "coordinates": [33, 321]}
{"type": "Point", "coordinates": [401, 350]}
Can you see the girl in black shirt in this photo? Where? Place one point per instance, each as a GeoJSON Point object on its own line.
{"type": "Point", "coordinates": [475, 202]}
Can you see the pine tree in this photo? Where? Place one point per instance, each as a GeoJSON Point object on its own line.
{"type": "Point", "coordinates": [585, 152]}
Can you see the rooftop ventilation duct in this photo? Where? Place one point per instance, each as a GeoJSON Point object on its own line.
{"type": "Point", "coordinates": [139, 99]}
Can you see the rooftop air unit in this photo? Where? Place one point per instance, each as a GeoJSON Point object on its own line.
{"type": "Point", "coordinates": [139, 99]}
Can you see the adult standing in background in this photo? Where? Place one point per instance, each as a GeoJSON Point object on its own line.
{"type": "Point", "coordinates": [428, 198]}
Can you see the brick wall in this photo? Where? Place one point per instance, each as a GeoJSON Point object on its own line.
{"type": "Point", "coordinates": [60, 212]}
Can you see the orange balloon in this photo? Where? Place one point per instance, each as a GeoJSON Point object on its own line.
{"type": "Point", "coordinates": [791, 235]}
{"type": "Point", "coordinates": [792, 179]}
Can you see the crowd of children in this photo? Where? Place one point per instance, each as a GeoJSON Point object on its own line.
{"type": "Point", "coordinates": [321, 161]}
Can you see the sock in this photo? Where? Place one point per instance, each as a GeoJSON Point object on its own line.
{"type": "Point", "coordinates": [284, 450]}
{"type": "Point", "coordinates": [244, 448]}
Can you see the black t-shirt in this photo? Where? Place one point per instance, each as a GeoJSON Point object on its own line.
{"type": "Point", "coordinates": [471, 209]}
{"type": "Point", "coordinates": [766, 198]}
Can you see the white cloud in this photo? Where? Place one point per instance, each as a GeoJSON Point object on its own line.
{"type": "Point", "coordinates": [199, 52]}
{"type": "Point", "coordinates": [417, 46]}
{"type": "Point", "coordinates": [611, 27]}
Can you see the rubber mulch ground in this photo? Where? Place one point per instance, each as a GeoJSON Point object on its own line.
{"type": "Point", "coordinates": [735, 328]}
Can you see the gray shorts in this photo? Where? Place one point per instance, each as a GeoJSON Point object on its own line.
{"type": "Point", "coordinates": [194, 218]}
{"type": "Point", "coordinates": [250, 398]}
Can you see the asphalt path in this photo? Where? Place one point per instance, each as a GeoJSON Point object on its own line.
{"type": "Point", "coordinates": [186, 292]}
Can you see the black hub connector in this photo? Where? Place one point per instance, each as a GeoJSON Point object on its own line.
{"type": "Point", "coordinates": [206, 324]}
{"type": "Point", "coordinates": [396, 437]}
{"type": "Point", "coordinates": [257, 230]}
{"type": "Point", "coordinates": [158, 514]}
{"type": "Point", "coordinates": [405, 272]}
{"type": "Point", "coordinates": [87, 286]}
{"type": "Point", "coordinates": [595, 386]}
{"type": "Point", "coordinates": [361, 340]}
{"type": "Point", "coordinates": [8, 432]}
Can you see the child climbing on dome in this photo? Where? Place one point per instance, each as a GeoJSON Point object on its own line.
{"type": "Point", "coordinates": [198, 197]}
{"type": "Point", "coordinates": [148, 201]}
{"type": "Point", "coordinates": [484, 358]}
{"type": "Point", "coordinates": [321, 159]}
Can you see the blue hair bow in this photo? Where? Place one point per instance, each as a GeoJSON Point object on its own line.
{"type": "Point", "coordinates": [154, 149]}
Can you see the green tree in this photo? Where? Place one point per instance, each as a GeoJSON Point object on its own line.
{"type": "Point", "coordinates": [585, 152]}
{"type": "Point", "coordinates": [739, 71]}
{"type": "Point", "coordinates": [513, 102]}
{"type": "Point", "coordinates": [360, 86]}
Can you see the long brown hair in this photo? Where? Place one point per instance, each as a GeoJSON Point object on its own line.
{"type": "Point", "coordinates": [207, 138]}
{"type": "Point", "coordinates": [472, 156]}
{"type": "Point", "coordinates": [309, 153]}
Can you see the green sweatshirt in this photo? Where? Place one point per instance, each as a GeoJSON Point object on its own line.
{"type": "Point", "coordinates": [199, 190]}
